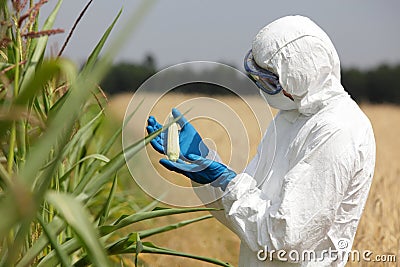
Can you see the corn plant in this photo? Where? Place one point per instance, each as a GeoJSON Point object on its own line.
{"type": "Point", "coordinates": [58, 173]}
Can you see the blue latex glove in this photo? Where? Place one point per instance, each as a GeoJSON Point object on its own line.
{"type": "Point", "coordinates": [202, 171]}
{"type": "Point", "coordinates": [190, 141]}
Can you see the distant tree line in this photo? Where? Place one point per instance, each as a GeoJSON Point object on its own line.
{"type": "Point", "coordinates": [377, 85]}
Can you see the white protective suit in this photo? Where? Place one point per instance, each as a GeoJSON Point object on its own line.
{"type": "Point", "coordinates": [309, 192]}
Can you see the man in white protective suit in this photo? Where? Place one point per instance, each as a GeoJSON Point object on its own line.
{"type": "Point", "coordinates": [297, 203]}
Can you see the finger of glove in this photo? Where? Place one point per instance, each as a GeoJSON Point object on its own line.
{"type": "Point", "coordinates": [150, 129]}
{"type": "Point", "coordinates": [157, 145]}
{"type": "Point", "coordinates": [206, 164]}
{"type": "Point", "coordinates": [176, 113]}
{"type": "Point", "coordinates": [173, 166]}
{"type": "Point", "coordinates": [151, 121]}
{"type": "Point", "coordinates": [198, 160]}
{"type": "Point", "coordinates": [159, 137]}
{"type": "Point", "coordinates": [185, 167]}
{"type": "Point", "coordinates": [181, 161]}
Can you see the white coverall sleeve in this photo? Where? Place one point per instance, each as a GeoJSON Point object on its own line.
{"type": "Point", "coordinates": [311, 193]}
{"type": "Point", "coordinates": [216, 191]}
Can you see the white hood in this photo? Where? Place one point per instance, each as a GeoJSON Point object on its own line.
{"type": "Point", "coordinates": [303, 56]}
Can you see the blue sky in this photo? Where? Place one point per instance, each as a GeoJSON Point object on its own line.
{"type": "Point", "coordinates": [365, 32]}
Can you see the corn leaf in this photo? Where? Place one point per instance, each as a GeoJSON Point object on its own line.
{"type": "Point", "coordinates": [51, 235]}
{"type": "Point", "coordinates": [148, 247]}
{"type": "Point", "coordinates": [124, 220]}
{"type": "Point", "coordinates": [78, 219]}
{"type": "Point", "coordinates": [55, 226]}
{"type": "Point", "coordinates": [150, 232]}
{"type": "Point", "coordinates": [106, 209]}
{"type": "Point", "coordinates": [96, 52]}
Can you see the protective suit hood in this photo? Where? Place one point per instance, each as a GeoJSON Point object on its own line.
{"type": "Point", "coordinates": [304, 58]}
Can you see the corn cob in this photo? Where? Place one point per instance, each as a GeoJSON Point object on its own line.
{"type": "Point", "coordinates": [173, 141]}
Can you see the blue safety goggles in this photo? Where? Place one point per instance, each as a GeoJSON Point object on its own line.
{"type": "Point", "coordinates": [266, 80]}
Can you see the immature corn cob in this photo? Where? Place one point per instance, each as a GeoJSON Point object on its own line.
{"type": "Point", "coordinates": [173, 141]}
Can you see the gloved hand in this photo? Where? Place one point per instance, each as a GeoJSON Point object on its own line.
{"type": "Point", "coordinates": [190, 141]}
{"type": "Point", "coordinates": [201, 170]}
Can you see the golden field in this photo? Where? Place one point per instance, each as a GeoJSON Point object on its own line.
{"type": "Point", "coordinates": [379, 229]}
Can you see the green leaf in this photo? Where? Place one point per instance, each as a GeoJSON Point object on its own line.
{"type": "Point", "coordinates": [162, 229]}
{"type": "Point", "coordinates": [52, 258]}
{"type": "Point", "coordinates": [64, 117]}
{"type": "Point", "coordinates": [69, 247]}
{"type": "Point", "coordinates": [61, 126]}
{"type": "Point", "coordinates": [106, 209]}
{"type": "Point", "coordinates": [96, 52]}
{"type": "Point", "coordinates": [77, 218]}
{"type": "Point", "coordinates": [149, 247]}
{"type": "Point", "coordinates": [106, 173]}
{"type": "Point", "coordinates": [125, 242]}
{"type": "Point", "coordinates": [43, 74]}
{"type": "Point", "coordinates": [128, 220]}
{"type": "Point", "coordinates": [94, 167]}
{"type": "Point", "coordinates": [51, 235]}
{"type": "Point", "coordinates": [56, 226]}
{"type": "Point", "coordinates": [39, 49]}
{"type": "Point", "coordinates": [82, 137]}
{"type": "Point", "coordinates": [9, 210]}
{"type": "Point", "coordinates": [150, 206]}
{"type": "Point", "coordinates": [56, 106]}
{"type": "Point", "coordinates": [121, 245]}
{"type": "Point", "coordinates": [5, 178]}
{"type": "Point", "coordinates": [139, 247]}
{"type": "Point", "coordinates": [47, 71]}
{"type": "Point", "coordinates": [99, 157]}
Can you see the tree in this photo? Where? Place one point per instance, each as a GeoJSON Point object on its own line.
{"type": "Point", "coordinates": [127, 77]}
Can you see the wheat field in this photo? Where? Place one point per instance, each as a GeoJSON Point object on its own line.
{"type": "Point", "coordinates": [379, 229]}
